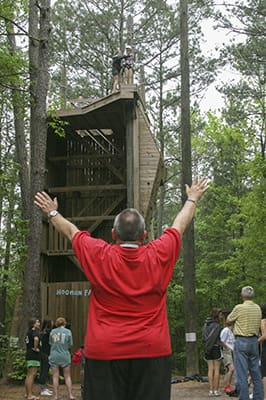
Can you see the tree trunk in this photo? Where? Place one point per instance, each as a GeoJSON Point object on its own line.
{"type": "Point", "coordinates": [162, 146]}
{"type": "Point", "coordinates": [38, 58]}
{"type": "Point", "coordinates": [192, 366]}
{"type": "Point", "coordinates": [3, 288]}
{"type": "Point", "coordinates": [20, 134]}
{"type": "Point", "coordinates": [6, 262]}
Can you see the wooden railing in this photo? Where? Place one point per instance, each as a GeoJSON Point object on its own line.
{"type": "Point", "coordinates": [54, 243]}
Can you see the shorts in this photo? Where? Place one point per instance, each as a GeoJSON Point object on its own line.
{"type": "Point", "coordinates": [33, 363]}
{"type": "Point", "coordinates": [136, 378]}
{"type": "Point", "coordinates": [59, 366]}
{"type": "Point", "coordinates": [214, 354]}
{"type": "Point", "coordinates": [115, 72]}
{"type": "Point", "coordinates": [228, 357]}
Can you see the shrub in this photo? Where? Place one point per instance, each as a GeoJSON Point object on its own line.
{"type": "Point", "coordinates": [3, 353]}
{"type": "Point", "coordinates": [18, 366]}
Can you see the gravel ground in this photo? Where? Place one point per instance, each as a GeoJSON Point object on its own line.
{"type": "Point", "coordinates": [192, 390]}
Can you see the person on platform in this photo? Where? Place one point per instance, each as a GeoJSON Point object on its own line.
{"type": "Point", "coordinates": [246, 321]}
{"type": "Point", "coordinates": [116, 69]}
{"type": "Point", "coordinates": [127, 344]}
{"type": "Point", "coordinates": [33, 356]}
{"type": "Point", "coordinates": [128, 64]}
{"type": "Point", "coordinates": [61, 341]}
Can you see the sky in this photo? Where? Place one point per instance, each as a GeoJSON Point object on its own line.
{"type": "Point", "coordinates": [212, 99]}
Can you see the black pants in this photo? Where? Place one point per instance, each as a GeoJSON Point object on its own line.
{"type": "Point", "coordinates": [130, 379]}
{"type": "Point", "coordinates": [44, 370]}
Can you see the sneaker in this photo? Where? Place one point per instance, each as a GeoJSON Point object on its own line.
{"type": "Point", "coordinates": [211, 393]}
{"type": "Point", "coordinates": [228, 389]}
{"type": "Point", "coordinates": [251, 396]}
{"type": "Point", "coordinates": [217, 393]}
{"type": "Point", "coordinates": [46, 392]}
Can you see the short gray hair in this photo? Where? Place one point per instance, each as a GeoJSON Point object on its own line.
{"type": "Point", "coordinates": [129, 225]}
{"type": "Point", "coordinates": [247, 292]}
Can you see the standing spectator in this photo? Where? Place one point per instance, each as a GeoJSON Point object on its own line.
{"type": "Point", "coordinates": [46, 328]}
{"type": "Point", "coordinates": [127, 344]}
{"type": "Point", "coordinates": [262, 341]}
{"type": "Point", "coordinates": [33, 356]}
{"type": "Point", "coordinates": [212, 349]}
{"type": "Point", "coordinates": [246, 321]}
{"type": "Point", "coordinates": [116, 69]}
{"type": "Point", "coordinates": [228, 340]}
{"type": "Point", "coordinates": [61, 341]}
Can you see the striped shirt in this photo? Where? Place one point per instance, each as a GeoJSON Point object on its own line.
{"type": "Point", "coordinates": [246, 318]}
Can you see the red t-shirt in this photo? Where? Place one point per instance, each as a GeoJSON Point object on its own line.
{"type": "Point", "coordinates": [127, 315]}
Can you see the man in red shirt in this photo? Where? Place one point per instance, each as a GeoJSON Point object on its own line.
{"type": "Point", "coordinates": [127, 344]}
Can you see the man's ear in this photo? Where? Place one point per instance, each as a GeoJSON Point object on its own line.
{"type": "Point", "coordinates": [114, 235]}
{"type": "Point", "coordinates": [143, 236]}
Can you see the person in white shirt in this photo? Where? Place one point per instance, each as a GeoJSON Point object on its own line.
{"type": "Point", "coordinates": [228, 340]}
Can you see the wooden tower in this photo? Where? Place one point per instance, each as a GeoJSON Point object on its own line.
{"type": "Point", "coordinates": [108, 160]}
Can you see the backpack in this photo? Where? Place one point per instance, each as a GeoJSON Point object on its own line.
{"type": "Point", "coordinates": [211, 336]}
{"type": "Point", "coordinates": [77, 357]}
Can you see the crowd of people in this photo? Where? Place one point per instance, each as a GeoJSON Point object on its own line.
{"type": "Point", "coordinates": [241, 345]}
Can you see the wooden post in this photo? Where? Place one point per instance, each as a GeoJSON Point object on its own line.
{"type": "Point", "coordinates": [130, 153]}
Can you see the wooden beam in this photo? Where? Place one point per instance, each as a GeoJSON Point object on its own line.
{"type": "Point", "coordinates": [130, 153]}
{"type": "Point", "coordinates": [86, 156]}
{"type": "Point", "coordinates": [126, 92]}
{"type": "Point", "coordinates": [85, 188]}
{"type": "Point", "coordinates": [106, 213]}
{"type": "Point", "coordinates": [91, 218]}
{"type": "Point", "coordinates": [136, 163]}
{"type": "Point", "coordinates": [75, 261]}
{"type": "Point", "coordinates": [58, 252]}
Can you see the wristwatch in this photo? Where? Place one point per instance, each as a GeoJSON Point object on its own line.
{"type": "Point", "coordinates": [53, 213]}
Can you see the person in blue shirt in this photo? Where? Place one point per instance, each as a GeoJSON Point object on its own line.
{"type": "Point", "coordinates": [61, 341]}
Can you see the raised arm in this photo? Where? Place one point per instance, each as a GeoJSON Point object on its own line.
{"type": "Point", "coordinates": [49, 206]}
{"type": "Point", "coordinates": [194, 193]}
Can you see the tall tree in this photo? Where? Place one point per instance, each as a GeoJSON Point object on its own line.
{"type": "Point", "coordinates": [12, 83]}
{"type": "Point", "coordinates": [39, 28]}
{"type": "Point", "coordinates": [188, 238]}
{"type": "Point", "coordinates": [246, 97]}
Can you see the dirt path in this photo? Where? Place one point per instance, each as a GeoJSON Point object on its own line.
{"type": "Point", "coordinates": [185, 390]}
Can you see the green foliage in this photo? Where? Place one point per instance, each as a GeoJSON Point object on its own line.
{"type": "Point", "coordinates": [175, 298]}
{"type": "Point", "coordinates": [18, 368]}
{"type": "Point", "coordinates": [3, 353]}
{"type": "Point", "coordinates": [229, 249]}
{"type": "Point", "coordinates": [57, 124]}
{"type": "Point", "coordinates": [12, 360]}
